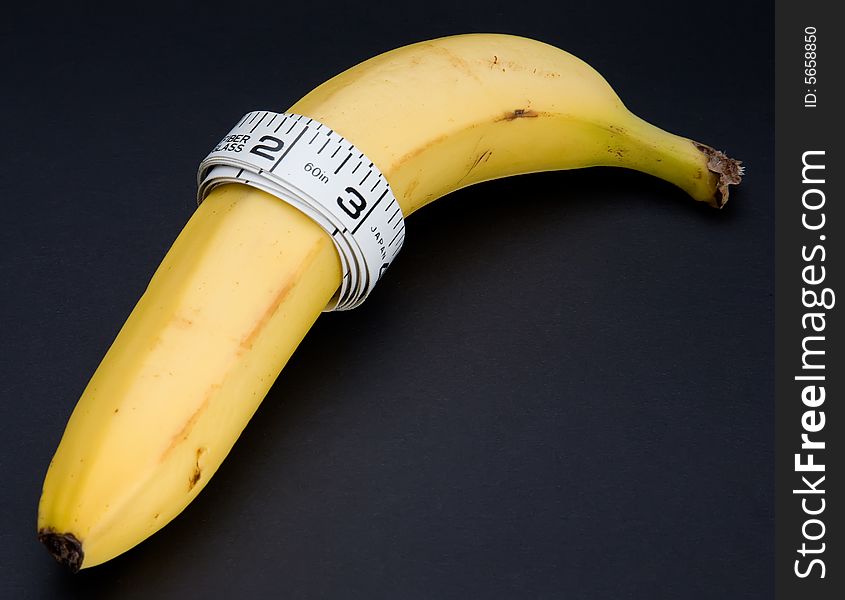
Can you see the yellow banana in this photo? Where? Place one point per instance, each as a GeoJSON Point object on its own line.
{"type": "Point", "coordinates": [249, 274]}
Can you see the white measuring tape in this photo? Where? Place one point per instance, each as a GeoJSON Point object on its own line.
{"type": "Point", "coordinates": [315, 169]}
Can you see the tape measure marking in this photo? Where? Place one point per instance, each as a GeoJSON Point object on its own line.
{"type": "Point", "coordinates": [341, 198]}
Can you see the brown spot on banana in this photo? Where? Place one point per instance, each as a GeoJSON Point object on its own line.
{"type": "Point", "coordinates": [521, 113]}
{"type": "Point", "coordinates": [182, 322]}
{"type": "Point", "coordinates": [511, 65]}
{"type": "Point", "coordinates": [617, 152]}
{"type": "Point", "coordinates": [456, 61]}
{"type": "Point", "coordinates": [414, 153]}
{"type": "Point", "coordinates": [409, 189]}
{"type": "Point", "coordinates": [281, 294]}
{"type": "Point", "coordinates": [482, 158]}
{"type": "Point", "coordinates": [186, 429]}
{"type": "Point", "coordinates": [196, 474]}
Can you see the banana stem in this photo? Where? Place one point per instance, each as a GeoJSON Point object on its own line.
{"type": "Point", "coordinates": [703, 172]}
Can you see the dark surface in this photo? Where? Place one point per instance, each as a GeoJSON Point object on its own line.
{"type": "Point", "coordinates": [567, 386]}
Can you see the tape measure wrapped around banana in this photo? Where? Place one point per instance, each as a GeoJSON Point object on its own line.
{"type": "Point", "coordinates": [302, 211]}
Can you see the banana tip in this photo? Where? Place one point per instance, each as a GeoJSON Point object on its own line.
{"type": "Point", "coordinates": [728, 170]}
{"type": "Point", "coordinates": [64, 547]}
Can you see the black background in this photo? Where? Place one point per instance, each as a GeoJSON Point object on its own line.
{"type": "Point", "coordinates": [562, 388]}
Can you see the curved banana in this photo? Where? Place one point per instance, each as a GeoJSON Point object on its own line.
{"type": "Point", "coordinates": [249, 274]}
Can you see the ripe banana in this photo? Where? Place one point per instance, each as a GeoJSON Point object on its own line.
{"type": "Point", "coordinates": [249, 274]}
